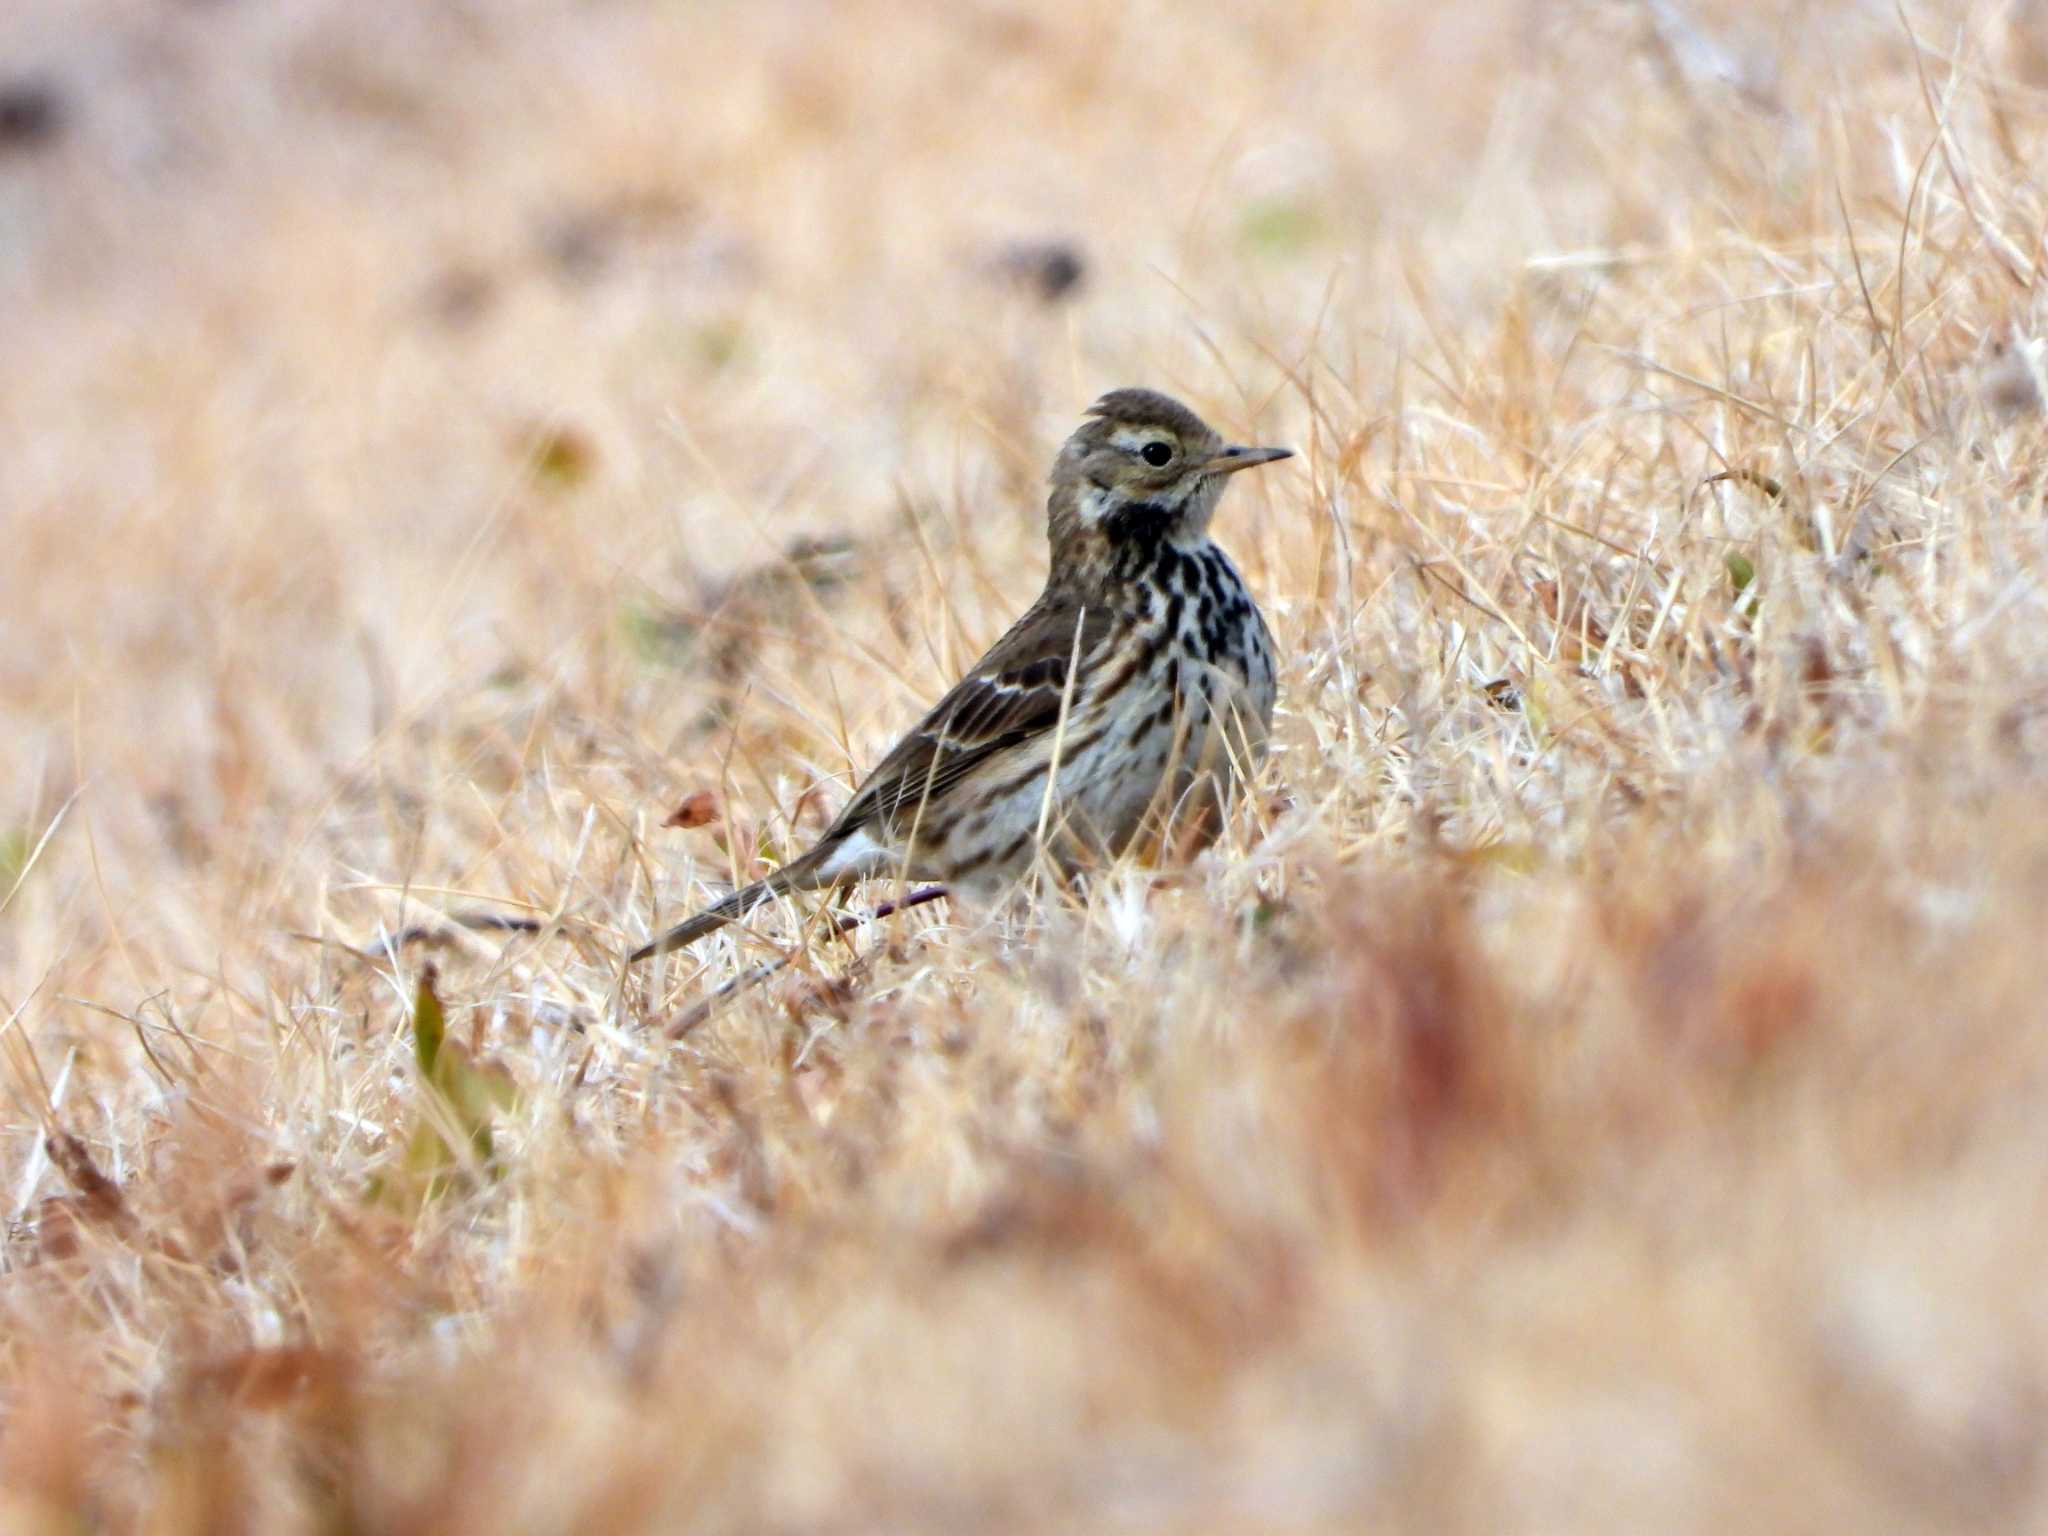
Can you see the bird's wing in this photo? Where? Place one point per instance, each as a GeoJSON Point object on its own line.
{"type": "Point", "coordinates": [1011, 695]}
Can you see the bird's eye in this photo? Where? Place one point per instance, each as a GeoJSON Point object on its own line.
{"type": "Point", "coordinates": [1158, 455]}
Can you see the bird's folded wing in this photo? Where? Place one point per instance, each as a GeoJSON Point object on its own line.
{"type": "Point", "coordinates": [1010, 696]}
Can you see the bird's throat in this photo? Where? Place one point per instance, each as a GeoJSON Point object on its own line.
{"type": "Point", "coordinates": [1145, 523]}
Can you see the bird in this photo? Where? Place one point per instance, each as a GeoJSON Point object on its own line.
{"type": "Point", "coordinates": [1119, 714]}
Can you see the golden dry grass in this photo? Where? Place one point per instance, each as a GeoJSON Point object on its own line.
{"type": "Point", "coordinates": [1597, 1085]}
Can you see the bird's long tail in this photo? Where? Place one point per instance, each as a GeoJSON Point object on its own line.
{"type": "Point", "coordinates": [800, 874]}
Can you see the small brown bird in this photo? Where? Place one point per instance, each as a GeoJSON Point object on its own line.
{"type": "Point", "coordinates": [1118, 714]}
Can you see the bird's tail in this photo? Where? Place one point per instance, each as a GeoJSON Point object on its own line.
{"type": "Point", "coordinates": [797, 875]}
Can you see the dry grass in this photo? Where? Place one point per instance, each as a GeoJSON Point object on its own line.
{"type": "Point", "coordinates": [1598, 1085]}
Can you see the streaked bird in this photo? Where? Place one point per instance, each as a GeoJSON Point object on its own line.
{"type": "Point", "coordinates": [1118, 715]}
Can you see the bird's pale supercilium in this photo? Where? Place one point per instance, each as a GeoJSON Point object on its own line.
{"type": "Point", "coordinates": [1138, 689]}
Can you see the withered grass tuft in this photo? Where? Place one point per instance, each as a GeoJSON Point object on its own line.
{"type": "Point", "coordinates": [469, 490]}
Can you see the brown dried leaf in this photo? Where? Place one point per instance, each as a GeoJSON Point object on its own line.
{"type": "Point", "coordinates": [697, 810]}
{"type": "Point", "coordinates": [99, 1196]}
{"type": "Point", "coordinates": [267, 1378]}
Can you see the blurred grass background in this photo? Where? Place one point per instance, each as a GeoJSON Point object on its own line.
{"type": "Point", "coordinates": [1596, 1085]}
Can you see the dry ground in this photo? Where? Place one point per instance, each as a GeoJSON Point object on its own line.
{"type": "Point", "coordinates": [1600, 1084]}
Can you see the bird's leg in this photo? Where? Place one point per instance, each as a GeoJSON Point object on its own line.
{"type": "Point", "coordinates": [694, 1015]}
{"type": "Point", "coordinates": [917, 898]}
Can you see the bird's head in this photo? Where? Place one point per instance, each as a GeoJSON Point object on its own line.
{"type": "Point", "coordinates": [1141, 469]}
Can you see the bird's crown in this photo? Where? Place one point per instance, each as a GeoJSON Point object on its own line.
{"type": "Point", "coordinates": [1137, 436]}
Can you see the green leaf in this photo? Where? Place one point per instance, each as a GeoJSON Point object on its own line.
{"type": "Point", "coordinates": [562, 457]}
{"type": "Point", "coordinates": [475, 1094]}
{"type": "Point", "coordinates": [427, 1157]}
{"type": "Point", "coordinates": [718, 342]}
{"type": "Point", "coordinates": [1279, 226]}
{"type": "Point", "coordinates": [464, 1096]}
{"type": "Point", "coordinates": [1741, 570]}
{"type": "Point", "coordinates": [429, 1025]}
{"type": "Point", "coordinates": [655, 637]}
{"type": "Point", "coordinates": [1516, 858]}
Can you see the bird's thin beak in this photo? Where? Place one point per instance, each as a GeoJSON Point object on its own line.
{"type": "Point", "coordinates": [1228, 461]}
